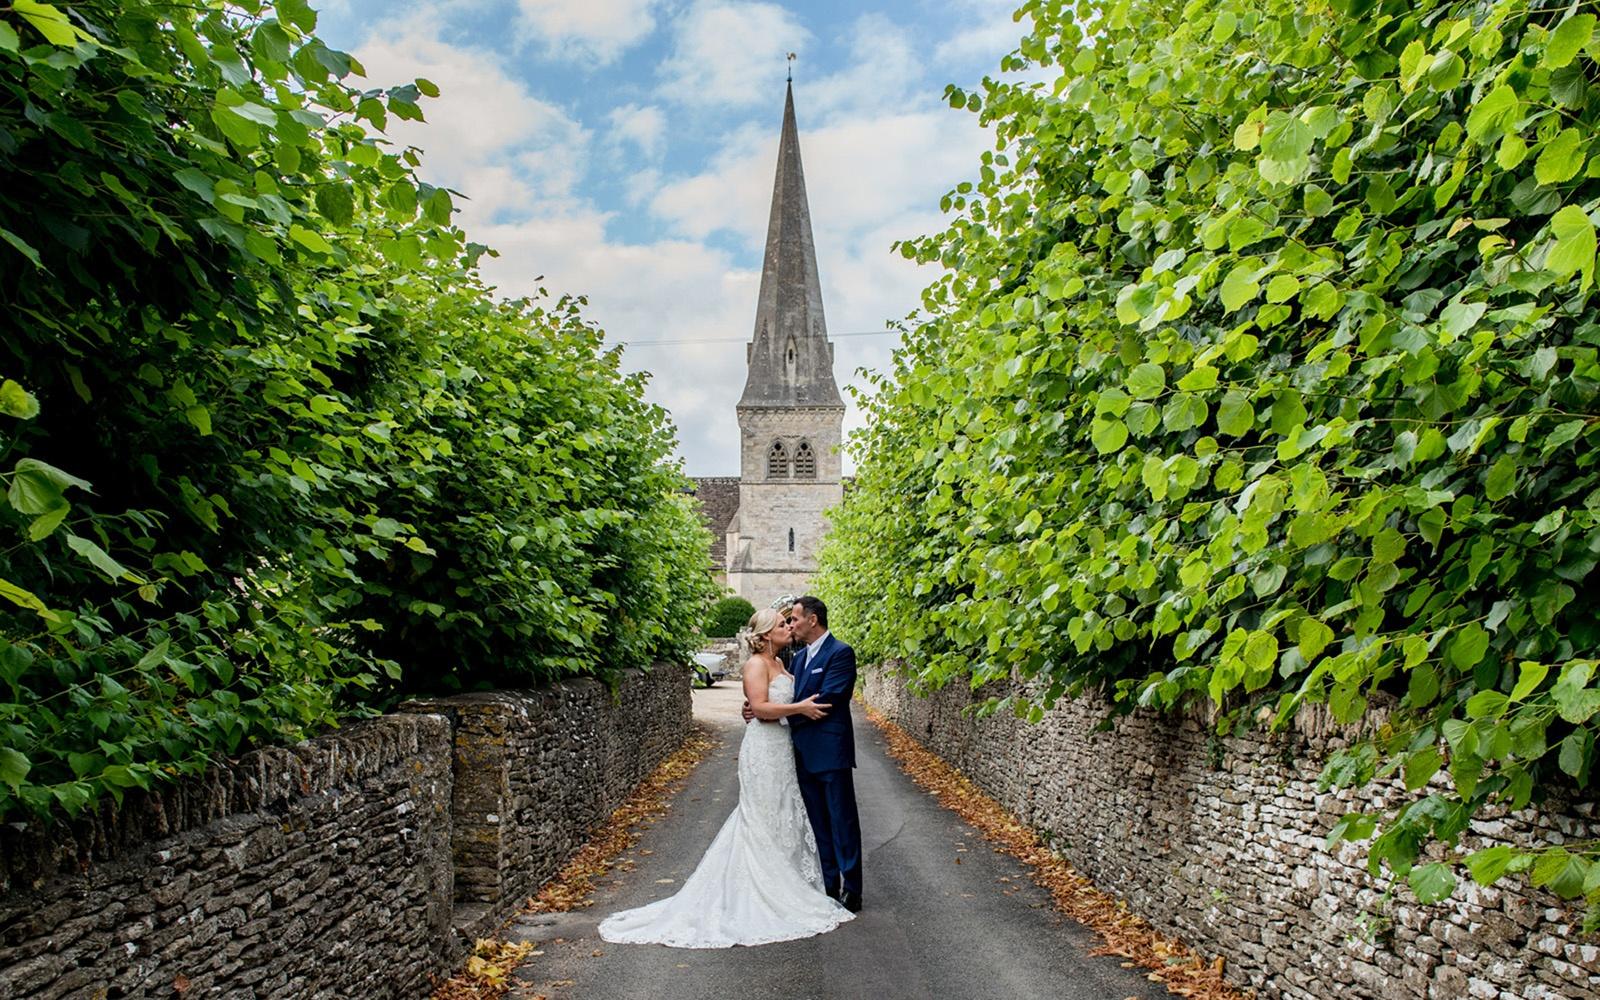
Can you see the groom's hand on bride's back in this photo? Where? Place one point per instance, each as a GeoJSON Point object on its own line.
{"type": "Point", "coordinates": [813, 709]}
{"type": "Point", "coordinates": [748, 713]}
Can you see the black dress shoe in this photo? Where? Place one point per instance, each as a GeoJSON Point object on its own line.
{"type": "Point", "coordinates": [850, 901]}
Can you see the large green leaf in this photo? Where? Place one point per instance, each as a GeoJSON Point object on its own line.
{"type": "Point", "coordinates": [1568, 39]}
{"type": "Point", "coordinates": [97, 556]}
{"type": "Point", "coordinates": [1575, 700]}
{"type": "Point", "coordinates": [1488, 114]}
{"type": "Point", "coordinates": [1574, 247]}
{"type": "Point", "coordinates": [1146, 381]}
{"type": "Point", "coordinates": [38, 487]}
{"type": "Point", "coordinates": [15, 401]}
{"type": "Point", "coordinates": [49, 21]}
{"type": "Point", "coordinates": [1432, 882]}
{"type": "Point", "coordinates": [1561, 872]}
{"type": "Point", "coordinates": [1561, 158]}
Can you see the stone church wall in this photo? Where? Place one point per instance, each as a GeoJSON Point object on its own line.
{"type": "Point", "coordinates": [346, 866]}
{"type": "Point", "coordinates": [761, 564]}
{"type": "Point", "coordinates": [1219, 841]}
{"type": "Point", "coordinates": [820, 426]}
{"type": "Point", "coordinates": [767, 513]}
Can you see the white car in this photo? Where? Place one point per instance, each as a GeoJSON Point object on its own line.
{"type": "Point", "coordinates": [709, 668]}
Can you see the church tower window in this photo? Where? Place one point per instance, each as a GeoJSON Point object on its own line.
{"type": "Point", "coordinates": [778, 461]}
{"type": "Point", "coordinates": [805, 462]}
{"type": "Point", "coordinates": [791, 539]}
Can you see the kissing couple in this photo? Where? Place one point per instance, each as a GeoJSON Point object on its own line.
{"type": "Point", "coordinates": [763, 878]}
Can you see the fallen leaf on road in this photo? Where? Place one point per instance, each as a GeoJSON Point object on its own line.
{"type": "Point", "coordinates": [1125, 934]}
{"type": "Point", "coordinates": [488, 971]}
{"type": "Point", "coordinates": [571, 887]}
{"type": "Point", "coordinates": [487, 975]}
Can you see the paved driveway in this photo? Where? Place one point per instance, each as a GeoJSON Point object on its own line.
{"type": "Point", "coordinates": [931, 927]}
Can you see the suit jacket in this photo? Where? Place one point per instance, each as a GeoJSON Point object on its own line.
{"type": "Point", "coordinates": [826, 744]}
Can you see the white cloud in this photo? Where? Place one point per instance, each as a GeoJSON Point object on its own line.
{"type": "Point", "coordinates": [669, 290]}
{"type": "Point", "coordinates": [883, 70]}
{"type": "Point", "coordinates": [591, 30]}
{"type": "Point", "coordinates": [486, 136]}
{"type": "Point", "coordinates": [643, 127]}
{"type": "Point", "coordinates": [727, 52]}
{"type": "Point", "coordinates": [987, 31]}
{"type": "Point", "coordinates": [642, 186]}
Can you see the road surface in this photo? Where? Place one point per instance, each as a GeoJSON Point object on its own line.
{"type": "Point", "coordinates": [930, 928]}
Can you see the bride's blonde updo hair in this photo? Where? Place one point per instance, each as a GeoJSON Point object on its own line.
{"type": "Point", "coordinates": [760, 625]}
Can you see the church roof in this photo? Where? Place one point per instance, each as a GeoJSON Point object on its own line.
{"type": "Point", "coordinates": [719, 502]}
{"type": "Point", "coordinates": [790, 358]}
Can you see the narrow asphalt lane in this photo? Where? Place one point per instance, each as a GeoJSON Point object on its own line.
{"type": "Point", "coordinates": [932, 927]}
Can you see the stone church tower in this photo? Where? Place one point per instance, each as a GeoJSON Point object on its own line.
{"type": "Point", "coordinates": [791, 416]}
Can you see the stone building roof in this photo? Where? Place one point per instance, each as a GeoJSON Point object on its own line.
{"type": "Point", "coordinates": [719, 502]}
{"type": "Point", "coordinates": [789, 356]}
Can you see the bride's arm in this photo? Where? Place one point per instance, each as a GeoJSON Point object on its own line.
{"type": "Point", "coordinates": [755, 692]}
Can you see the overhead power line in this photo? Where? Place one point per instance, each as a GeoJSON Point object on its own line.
{"type": "Point", "coordinates": [745, 340]}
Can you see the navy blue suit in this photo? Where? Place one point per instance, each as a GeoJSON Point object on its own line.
{"type": "Point", "coordinates": [825, 753]}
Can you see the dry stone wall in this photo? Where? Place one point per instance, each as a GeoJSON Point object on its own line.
{"type": "Point", "coordinates": [1220, 842]}
{"type": "Point", "coordinates": [352, 865]}
{"type": "Point", "coordinates": [536, 771]}
{"type": "Point", "coordinates": [321, 870]}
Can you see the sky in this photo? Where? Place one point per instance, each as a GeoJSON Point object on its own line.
{"type": "Point", "coordinates": [624, 150]}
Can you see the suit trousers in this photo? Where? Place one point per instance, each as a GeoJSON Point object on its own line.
{"type": "Point", "coordinates": [830, 798]}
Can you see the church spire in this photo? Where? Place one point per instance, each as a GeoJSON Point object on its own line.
{"type": "Point", "coordinates": [790, 358]}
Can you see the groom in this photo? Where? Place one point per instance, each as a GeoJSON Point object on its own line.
{"type": "Point", "coordinates": [825, 749]}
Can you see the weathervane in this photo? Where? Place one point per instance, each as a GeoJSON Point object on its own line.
{"type": "Point", "coordinates": [791, 67]}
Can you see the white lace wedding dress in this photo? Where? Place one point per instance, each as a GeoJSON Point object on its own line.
{"type": "Point", "coordinates": [760, 880]}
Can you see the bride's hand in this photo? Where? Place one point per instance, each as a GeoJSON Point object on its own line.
{"type": "Point", "coordinates": [811, 708]}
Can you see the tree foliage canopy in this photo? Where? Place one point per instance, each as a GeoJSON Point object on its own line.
{"type": "Point", "coordinates": [1263, 371]}
{"type": "Point", "coordinates": [729, 615]}
{"type": "Point", "coordinates": [272, 452]}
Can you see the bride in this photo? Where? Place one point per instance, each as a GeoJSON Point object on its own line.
{"type": "Point", "coordinates": [760, 881]}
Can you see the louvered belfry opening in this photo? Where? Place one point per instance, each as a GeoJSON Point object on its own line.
{"type": "Point", "coordinates": [805, 462]}
{"type": "Point", "coordinates": [777, 461]}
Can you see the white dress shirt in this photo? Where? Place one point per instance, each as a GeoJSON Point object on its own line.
{"type": "Point", "coordinates": [811, 649]}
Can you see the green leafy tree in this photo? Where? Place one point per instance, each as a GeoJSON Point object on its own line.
{"type": "Point", "coordinates": [729, 615]}
{"type": "Point", "coordinates": [272, 453]}
{"type": "Point", "coordinates": [1263, 372]}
